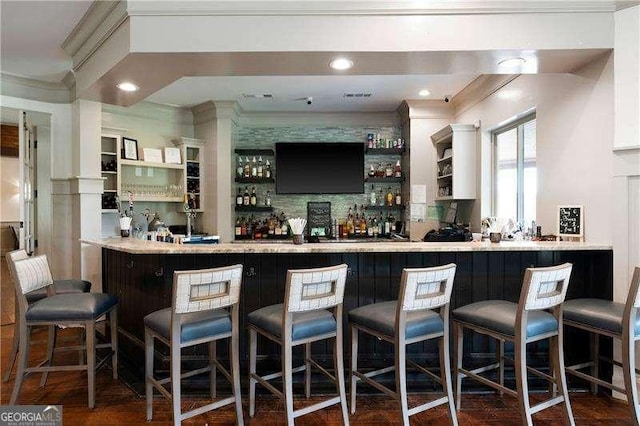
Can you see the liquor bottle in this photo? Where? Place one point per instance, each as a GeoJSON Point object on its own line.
{"type": "Point", "coordinates": [350, 222]}
{"type": "Point", "coordinates": [254, 167]}
{"type": "Point", "coordinates": [388, 171]}
{"type": "Point", "coordinates": [392, 221]}
{"type": "Point", "coordinates": [356, 225]}
{"type": "Point", "coordinates": [260, 168]}
{"type": "Point", "coordinates": [374, 226]}
{"type": "Point", "coordinates": [370, 227]}
{"type": "Point", "coordinates": [398, 170]}
{"type": "Point", "coordinates": [372, 196]}
{"type": "Point", "coordinates": [267, 170]}
{"type": "Point", "coordinates": [254, 198]}
{"type": "Point", "coordinates": [380, 198]}
{"type": "Point", "coordinates": [284, 226]}
{"type": "Point", "coordinates": [363, 224]}
{"type": "Point", "coordinates": [246, 199]}
{"type": "Point", "coordinates": [387, 227]}
{"type": "Point", "coordinates": [398, 198]}
{"type": "Point", "coordinates": [389, 197]}
{"type": "Point", "coordinates": [267, 199]}
{"type": "Point", "coordinates": [372, 171]}
{"type": "Point", "coordinates": [240, 168]}
{"type": "Point", "coordinates": [247, 168]}
{"type": "Point", "coordinates": [239, 198]}
{"type": "Point", "coordinates": [243, 227]}
{"type": "Point", "coordinates": [238, 228]}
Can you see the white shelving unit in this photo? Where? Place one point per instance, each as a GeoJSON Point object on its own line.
{"type": "Point", "coordinates": [192, 156]}
{"type": "Point", "coordinates": [456, 162]}
{"type": "Point", "coordinates": [109, 149]}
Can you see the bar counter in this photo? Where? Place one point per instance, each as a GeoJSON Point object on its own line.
{"type": "Point", "coordinates": [140, 273]}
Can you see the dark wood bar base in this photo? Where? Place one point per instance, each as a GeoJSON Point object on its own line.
{"type": "Point", "coordinates": [143, 284]}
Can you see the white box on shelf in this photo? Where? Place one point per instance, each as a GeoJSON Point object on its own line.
{"type": "Point", "coordinates": [172, 155]}
{"type": "Point", "coordinates": [152, 155]}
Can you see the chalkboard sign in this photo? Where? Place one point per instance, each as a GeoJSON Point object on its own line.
{"type": "Point", "coordinates": [570, 221]}
{"type": "Point", "coordinates": [319, 218]}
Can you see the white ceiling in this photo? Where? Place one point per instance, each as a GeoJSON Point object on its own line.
{"type": "Point", "coordinates": [33, 31]}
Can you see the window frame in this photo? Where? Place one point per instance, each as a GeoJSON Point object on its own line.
{"type": "Point", "coordinates": [517, 124]}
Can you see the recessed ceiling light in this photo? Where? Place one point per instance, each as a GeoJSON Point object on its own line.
{"type": "Point", "coordinates": [512, 62]}
{"type": "Point", "coordinates": [127, 86]}
{"type": "Point", "coordinates": [341, 64]}
{"type": "Point", "coordinates": [424, 92]}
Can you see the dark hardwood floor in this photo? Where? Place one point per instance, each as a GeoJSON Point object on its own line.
{"type": "Point", "coordinates": [117, 404]}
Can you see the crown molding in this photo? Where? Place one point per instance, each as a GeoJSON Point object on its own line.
{"type": "Point", "coordinates": [310, 8]}
{"type": "Point", "coordinates": [480, 89]}
{"type": "Point", "coordinates": [37, 90]}
{"type": "Point", "coordinates": [149, 111]}
{"type": "Point", "coordinates": [101, 20]}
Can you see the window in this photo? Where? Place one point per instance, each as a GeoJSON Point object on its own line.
{"type": "Point", "coordinates": [514, 170]}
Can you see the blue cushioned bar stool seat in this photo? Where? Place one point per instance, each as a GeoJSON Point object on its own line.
{"type": "Point", "coordinates": [59, 287]}
{"type": "Point", "coordinates": [67, 310]}
{"type": "Point", "coordinates": [420, 313]}
{"type": "Point", "coordinates": [303, 318]}
{"type": "Point", "coordinates": [204, 309]}
{"type": "Point", "coordinates": [537, 316]}
{"type": "Point", "coordinates": [612, 319]}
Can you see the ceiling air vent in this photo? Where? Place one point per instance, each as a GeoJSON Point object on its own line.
{"type": "Point", "coordinates": [357, 95]}
{"type": "Point", "coordinates": [257, 95]}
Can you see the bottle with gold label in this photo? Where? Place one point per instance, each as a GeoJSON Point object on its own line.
{"type": "Point", "coordinates": [390, 197]}
{"type": "Point", "coordinates": [247, 168]}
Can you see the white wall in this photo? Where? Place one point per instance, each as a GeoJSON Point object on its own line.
{"type": "Point", "coordinates": [10, 189]}
{"type": "Point", "coordinates": [575, 122]}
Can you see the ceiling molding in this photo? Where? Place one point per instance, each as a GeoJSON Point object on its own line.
{"type": "Point", "coordinates": [310, 8]}
{"type": "Point", "coordinates": [480, 89]}
{"type": "Point", "coordinates": [426, 109]}
{"type": "Point", "coordinates": [101, 20]}
{"type": "Point", "coordinates": [28, 88]}
{"type": "Point", "coordinates": [149, 111]}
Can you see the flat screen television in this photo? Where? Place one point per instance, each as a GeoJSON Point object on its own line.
{"type": "Point", "coordinates": [319, 168]}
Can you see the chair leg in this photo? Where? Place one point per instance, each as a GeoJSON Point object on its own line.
{"type": "Point", "coordinates": [23, 359]}
{"type": "Point", "coordinates": [81, 338]}
{"type": "Point", "coordinates": [175, 383]}
{"type": "Point", "coordinates": [354, 367]}
{"type": "Point", "coordinates": [214, 369]}
{"type": "Point", "coordinates": [629, 373]}
{"type": "Point", "coordinates": [307, 370]}
{"type": "Point", "coordinates": [458, 337]}
{"type": "Point", "coordinates": [595, 356]}
{"type": "Point", "coordinates": [113, 318]}
{"type": "Point", "coordinates": [500, 358]}
{"type": "Point", "coordinates": [51, 344]}
{"type": "Point", "coordinates": [401, 380]}
{"type": "Point", "coordinates": [14, 345]}
{"type": "Point", "coordinates": [445, 377]}
{"type": "Point", "coordinates": [338, 358]}
{"type": "Point", "coordinates": [287, 381]}
{"type": "Point", "coordinates": [235, 373]}
{"type": "Point", "coordinates": [522, 385]}
{"type": "Point", "coordinates": [91, 361]}
{"type": "Point", "coordinates": [556, 346]}
{"type": "Point", "coordinates": [253, 349]}
{"type": "Point", "coordinates": [148, 371]}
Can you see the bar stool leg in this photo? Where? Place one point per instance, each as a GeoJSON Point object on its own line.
{"type": "Point", "coordinates": [23, 358]}
{"type": "Point", "coordinates": [522, 383]}
{"type": "Point", "coordinates": [14, 345]}
{"type": "Point", "coordinates": [91, 362]}
{"type": "Point", "coordinates": [175, 383]}
{"type": "Point", "coordinates": [458, 336]}
{"type": "Point", "coordinates": [500, 356]}
{"type": "Point", "coordinates": [629, 372]}
{"type": "Point", "coordinates": [338, 358]}
{"type": "Point", "coordinates": [51, 343]}
{"type": "Point", "coordinates": [307, 370]}
{"type": "Point", "coordinates": [235, 370]}
{"type": "Point", "coordinates": [595, 356]}
{"type": "Point", "coordinates": [253, 349]}
{"type": "Point", "coordinates": [445, 377]}
{"type": "Point", "coordinates": [354, 367]}
{"type": "Point", "coordinates": [148, 368]}
{"type": "Point", "coordinates": [401, 379]}
{"type": "Point", "coordinates": [212, 366]}
{"type": "Point", "coordinates": [113, 318]}
{"type": "Point", "coordinates": [287, 379]}
{"type": "Point", "coordinates": [556, 346]}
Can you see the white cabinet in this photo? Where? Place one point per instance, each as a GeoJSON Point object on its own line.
{"type": "Point", "coordinates": [192, 156]}
{"type": "Point", "coordinates": [456, 162]}
{"type": "Point", "coordinates": [109, 169]}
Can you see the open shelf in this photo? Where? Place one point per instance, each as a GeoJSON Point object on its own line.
{"type": "Point", "coordinates": [384, 179]}
{"type": "Point", "coordinates": [254, 180]}
{"type": "Point", "coordinates": [384, 151]}
{"type": "Point", "coordinates": [254, 151]}
{"type": "Point", "coordinates": [385, 207]}
{"type": "Point", "coordinates": [139, 163]}
{"type": "Point", "coordinates": [254, 208]}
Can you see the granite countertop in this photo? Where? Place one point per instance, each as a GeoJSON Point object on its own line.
{"type": "Point", "coordinates": [135, 246]}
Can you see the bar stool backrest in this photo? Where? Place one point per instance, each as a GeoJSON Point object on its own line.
{"type": "Point", "coordinates": [312, 289]}
{"type": "Point", "coordinates": [206, 289]}
{"type": "Point", "coordinates": [14, 256]}
{"type": "Point", "coordinates": [426, 288]}
{"type": "Point", "coordinates": [634, 293]}
{"type": "Point", "coordinates": [545, 288]}
{"type": "Point", "coordinates": [632, 305]}
{"type": "Point", "coordinates": [30, 274]}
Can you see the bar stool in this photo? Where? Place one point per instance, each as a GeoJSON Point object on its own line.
{"type": "Point", "coordinates": [68, 310]}
{"type": "Point", "coordinates": [302, 319]}
{"type": "Point", "coordinates": [197, 315]}
{"type": "Point", "coordinates": [59, 287]}
{"type": "Point", "coordinates": [619, 321]}
{"type": "Point", "coordinates": [410, 319]}
{"type": "Point", "coordinates": [521, 323]}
